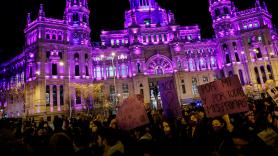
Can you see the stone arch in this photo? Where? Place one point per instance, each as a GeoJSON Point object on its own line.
{"type": "Point", "coordinates": [159, 64]}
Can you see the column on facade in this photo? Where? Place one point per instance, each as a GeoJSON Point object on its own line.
{"type": "Point", "coordinates": [58, 98]}
{"type": "Point", "coordinates": [197, 64]}
{"type": "Point", "coordinates": [104, 73]}
{"type": "Point", "coordinates": [51, 98]}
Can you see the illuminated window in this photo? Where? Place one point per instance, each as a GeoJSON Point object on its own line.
{"type": "Point", "coordinates": [123, 70]}
{"type": "Point", "coordinates": [54, 69]}
{"type": "Point", "coordinates": [191, 65]}
{"type": "Point", "coordinates": [205, 79]}
{"type": "Point", "coordinates": [194, 86]}
{"type": "Point", "coordinates": [111, 71]}
{"type": "Point", "coordinates": [117, 42]}
{"type": "Point", "coordinates": [54, 94]}
{"type": "Point", "coordinates": [237, 57]}
{"type": "Point", "coordinates": [61, 95]}
{"type": "Point", "coordinates": [98, 72]}
{"type": "Point", "coordinates": [112, 42]}
{"type": "Point", "coordinates": [203, 63]}
{"type": "Point", "coordinates": [77, 70]}
{"type": "Point", "coordinates": [213, 62]}
{"type": "Point", "coordinates": [87, 71]}
{"type": "Point", "coordinates": [125, 88]}
{"type": "Point", "coordinates": [78, 96]}
{"type": "Point", "coordinates": [47, 95]}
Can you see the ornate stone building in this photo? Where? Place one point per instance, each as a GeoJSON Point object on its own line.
{"type": "Point", "coordinates": [152, 46]}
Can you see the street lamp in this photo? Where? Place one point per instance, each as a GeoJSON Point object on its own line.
{"type": "Point", "coordinates": [114, 78]}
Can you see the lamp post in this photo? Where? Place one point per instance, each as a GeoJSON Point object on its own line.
{"type": "Point", "coordinates": [114, 79]}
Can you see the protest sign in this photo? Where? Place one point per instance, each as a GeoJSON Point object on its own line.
{"type": "Point", "coordinates": [269, 136]}
{"type": "Point", "coordinates": [169, 97]}
{"type": "Point", "coordinates": [131, 113]}
{"type": "Point", "coordinates": [273, 92]}
{"type": "Point", "coordinates": [224, 96]}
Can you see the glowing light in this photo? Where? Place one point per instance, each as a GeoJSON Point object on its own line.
{"type": "Point", "coordinates": [61, 63]}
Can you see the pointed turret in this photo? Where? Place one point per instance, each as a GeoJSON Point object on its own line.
{"type": "Point", "coordinates": [41, 12]}
{"type": "Point", "coordinates": [257, 4]}
{"type": "Point", "coordinates": [171, 18]}
{"type": "Point", "coordinates": [28, 18]}
{"type": "Point", "coordinates": [265, 6]}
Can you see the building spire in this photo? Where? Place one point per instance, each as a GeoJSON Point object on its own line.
{"type": "Point", "coordinates": [28, 18]}
{"type": "Point", "coordinates": [41, 11]}
{"type": "Point", "coordinates": [257, 4]}
{"type": "Point", "coordinates": [265, 6]}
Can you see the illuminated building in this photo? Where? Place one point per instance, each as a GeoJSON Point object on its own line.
{"type": "Point", "coordinates": [59, 52]}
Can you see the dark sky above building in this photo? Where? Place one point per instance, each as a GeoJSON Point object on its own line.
{"type": "Point", "coordinates": [105, 15]}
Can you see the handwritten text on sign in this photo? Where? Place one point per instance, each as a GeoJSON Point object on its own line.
{"type": "Point", "coordinates": [273, 92]}
{"type": "Point", "coordinates": [224, 96]}
{"type": "Point", "coordinates": [132, 113]}
{"type": "Point", "coordinates": [169, 97]}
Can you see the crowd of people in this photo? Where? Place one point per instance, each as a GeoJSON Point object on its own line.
{"type": "Point", "coordinates": [191, 134]}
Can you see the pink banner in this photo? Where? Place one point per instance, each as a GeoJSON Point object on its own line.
{"type": "Point", "coordinates": [224, 96]}
{"type": "Point", "coordinates": [131, 113]}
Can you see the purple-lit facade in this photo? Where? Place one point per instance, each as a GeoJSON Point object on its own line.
{"type": "Point", "coordinates": [151, 46]}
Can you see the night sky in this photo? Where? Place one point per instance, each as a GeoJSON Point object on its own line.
{"type": "Point", "coordinates": [105, 15]}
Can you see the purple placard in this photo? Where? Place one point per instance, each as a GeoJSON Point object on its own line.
{"type": "Point", "coordinates": [169, 97]}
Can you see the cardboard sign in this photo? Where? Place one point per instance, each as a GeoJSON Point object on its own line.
{"type": "Point", "coordinates": [273, 92]}
{"type": "Point", "coordinates": [131, 113]}
{"type": "Point", "coordinates": [269, 136]}
{"type": "Point", "coordinates": [169, 98]}
{"type": "Point", "coordinates": [222, 97]}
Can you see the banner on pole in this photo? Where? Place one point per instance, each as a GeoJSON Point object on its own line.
{"type": "Point", "coordinates": [273, 92]}
{"type": "Point", "coordinates": [222, 97]}
{"type": "Point", "coordinates": [131, 113]}
{"type": "Point", "coordinates": [169, 97]}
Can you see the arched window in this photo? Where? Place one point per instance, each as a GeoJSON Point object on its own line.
{"type": "Point", "coordinates": [138, 67]}
{"type": "Point", "coordinates": [54, 94]}
{"type": "Point", "coordinates": [54, 69]}
{"type": "Point", "coordinates": [202, 63]}
{"type": "Point", "coordinates": [60, 55]}
{"type": "Point", "coordinates": [76, 56]}
{"type": "Point", "coordinates": [98, 72]}
{"type": "Point", "coordinates": [225, 46]}
{"type": "Point", "coordinates": [77, 70]}
{"type": "Point", "coordinates": [87, 71]}
{"type": "Point", "coordinates": [60, 38]}
{"type": "Point", "coordinates": [258, 53]}
{"type": "Point", "coordinates": [78, 96]}
{"type": "Point", "coordinates": [241, 77]}
{"type": "Point", "coordinates": [228, 60]}
{"type": "Point", "coordinates": [47, 95]}
{"type": "Point", "coordinates": [213, 62]}
{"type": "Point", "coordinates": [47, 36]}
{"type": "Point", "coordinates": [159, 71]}
{"type": "Point", "coordinates": [226, 10]}
{"type": "Point", "coordinates": [111, 71]}
{"type": "Point", "coordinates": [75, 17]}
{"type": "Point", "coordinates": [84, 19]}
{"type": "Point", "coordinates": [86, 56]}
{"type": "Point", "coordinates": [269, 70]}
{"type": "Point", "coordinates": [237, 57]}
{"type": "Point", "coordinates": [217, 12]}
{"type": "Point", "coordinates": [54, 37]}
{"type": "Point", "coordinates": [191, 65]}
{"type": "Point", "coordinates": [61, 95]}
{"type": "Point", "coordinates": [263, 73]}
{"type": "Point", "coordinates": [257, 75]}
{"type": "Point", "coordinates": [123, 70]}
{"type": "Point", "coordinates": [234, 45]}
